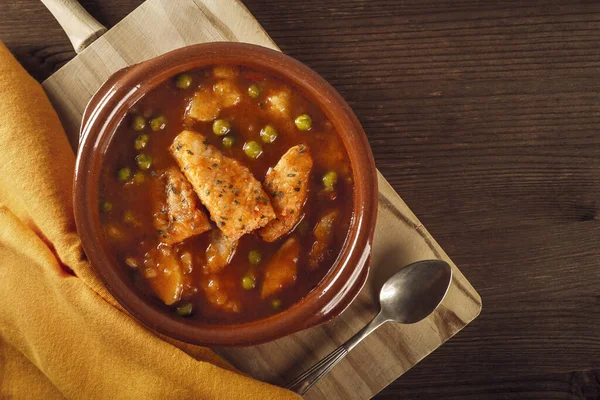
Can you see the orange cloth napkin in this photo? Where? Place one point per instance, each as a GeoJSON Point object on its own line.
{"type": "Point", "coordinates": [61, 333]}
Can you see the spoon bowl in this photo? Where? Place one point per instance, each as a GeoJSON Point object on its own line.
{"type": "Point", "coordinates": [412, 293]}
{"type": "Point", "coordinates": [407, 297]}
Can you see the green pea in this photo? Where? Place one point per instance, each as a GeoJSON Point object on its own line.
{"type": "Point", "coordinates": [253, 91]}
{"type": "Point", "coordinates": [138, 123]}
{"type": "Point", "coordinates": [185, 309]}
{"type": "Point", "coordinates": [329, 180]}
{"type": "Point", "coordinates": [139, 177]}
{"type": "Point", "coordinates": [303, 122]}
{"type": "Point", "coordinates": [106, 207]}
{"type": "Point", "coordinates": [221, 127]}
{"type": "Point", "coordinates": [252, 149]}
{"type": "Point", "coordinates": [141, 142]}
{"type": "Point", "coordinates": [144, 161]}
{"type": "Point", "coordinates": [158, 123]}
{"type": "Point", "coordinates": [123, 174]}
{"type": "Point", "coordinates": [268, 134]}
{"type": "Point", "coordinates": [248, 282]}
{"type": "Point", "coordinates": [276, 303]}
{"type": "Point", "coordinates": [254, 257]}
{"type": "Point", "coordinates": [183, 81]}
{"type": "Point", "coordinates": [228, 141]}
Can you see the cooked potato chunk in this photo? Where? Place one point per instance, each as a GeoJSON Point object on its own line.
{"type": "Point", "coordinates": [178, 217]}
{"type": "Point", "coordinates": [234, 198]}
{"type": "Point", "coordinates": [323, 232]}
{"type": "Point", "coordinates": [287, 186]}
{"type": "Point", "coordinates": [219, 252]}
{"type": "Point", "coordinates": [208, 102]}
{"type": "Point", "coordinates": [279, 102]}
{"type": "Point", "coordinates": [227, 93]}
{"type": "Point", "coordinates": [220, 296]}
{"type": "Point", "coordinates": [225, 71]}
{"type": "Point", "coordinates": [163, 272]}
{"type": "Point", "coordinates": [281, 269]}
{"type": "Point", "coordinates": [204, 106]}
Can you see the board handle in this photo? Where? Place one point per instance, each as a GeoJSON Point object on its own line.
{"type": "Point", "coordinates": [81, 28]}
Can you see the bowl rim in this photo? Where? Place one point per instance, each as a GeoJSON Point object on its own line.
{"type": "Point", "coordinates": [110, 104]}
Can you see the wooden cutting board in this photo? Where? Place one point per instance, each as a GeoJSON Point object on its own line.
{"type": "Point", "coordinates": [158, 26]}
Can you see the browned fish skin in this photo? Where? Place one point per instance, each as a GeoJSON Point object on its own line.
{"type": "Point", "coordinates": [233, 197]}
{"type": "Point", "coordinates": [287, 186]}
{"type": "Point", "coordinates": [219, 252]}
{"type": "Point", "coordinates": [179, 217]}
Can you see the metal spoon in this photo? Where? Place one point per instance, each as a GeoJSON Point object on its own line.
{"type": "Point", "coordinates": [409, 296]}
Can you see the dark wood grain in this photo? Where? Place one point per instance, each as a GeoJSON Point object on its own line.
{"type": "Point", "coordinates": [485, 117]}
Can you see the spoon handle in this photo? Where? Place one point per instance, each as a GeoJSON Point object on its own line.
{"type": "Point", "coordinates": [305, 381]}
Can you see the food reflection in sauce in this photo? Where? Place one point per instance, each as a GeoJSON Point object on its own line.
{"type": "Point", "coordinates": [226, 194]}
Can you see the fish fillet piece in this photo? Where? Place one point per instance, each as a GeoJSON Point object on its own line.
{"type": "Point", "coordinates": [324, 236]}
{"type": "Point", "coordinates": [178, 217]}
{"type": "Point", "coordinates": [234, 198]}
{"type": "Point", "coordinates": [163, 272]}
{"type": "Point", "coordinates": [281, 269]}
{"type": "Point", "coordinates": [287, 186]}
{"type": "Point", "coordinates": [219, 252]}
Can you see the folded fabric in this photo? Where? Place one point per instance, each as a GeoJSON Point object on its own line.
{"type": "Point", "coordinates": [61, 333]}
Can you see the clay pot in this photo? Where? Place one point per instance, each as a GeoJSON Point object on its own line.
{"type": "Point", "coordinates": [110, 105]}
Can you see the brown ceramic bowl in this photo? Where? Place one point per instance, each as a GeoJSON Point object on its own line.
{"type": "Point", "coordinates": [110, 105]}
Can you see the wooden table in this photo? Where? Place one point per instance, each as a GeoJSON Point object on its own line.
{"type": "Point", "coordinates": [485, 117]}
